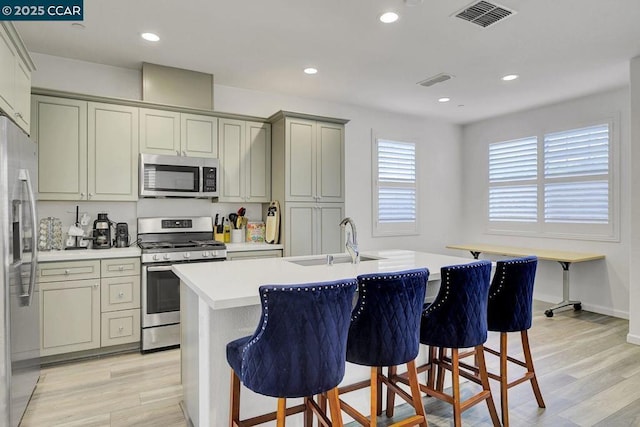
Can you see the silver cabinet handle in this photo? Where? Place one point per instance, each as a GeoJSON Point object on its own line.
{"type": "Point", "coordinates": [121, 267]}
{"type": "Point", "coordinates": [91, 195]}
{"type": "Point", "coordinates": [82, 195]}
{"type": "Point", "coordinates": [184, 153]}
{"type": "Point", "coordinates": [120, 294]}
{"type": "Point", "coordinates": [67, 272]}
{"type": "Point", "coordinates": [178, 152]}
{"type": "Point", "coordinates": [19, 115]}
{"type": "Point", "coordinates": [95, 285]}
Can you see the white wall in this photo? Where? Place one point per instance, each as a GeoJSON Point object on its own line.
{"type": "Point", "coordinates": [634, 253]}
{"type": "Point", "coordinates": [438, 155]}
{"type": "Point", "coordinates": [603, 286]}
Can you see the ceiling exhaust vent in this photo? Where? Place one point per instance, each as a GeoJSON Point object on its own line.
{"type": "Point", "coordinates": [438, 78]}
{"type": "Point", "coordinates": [483, 13]}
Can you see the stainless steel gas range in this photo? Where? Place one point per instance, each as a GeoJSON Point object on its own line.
{"type": "Point", "coordinates": [164, 242]}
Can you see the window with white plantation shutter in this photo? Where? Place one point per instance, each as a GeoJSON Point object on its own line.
{"type": "Point", "coordinates": [513, 187]}
{"type": "Point", "coordinates": [576, 172]}
{"type": "Point", "coordinates": [560, 186]}
{"type": "Point", "coordinates": [395, 189]}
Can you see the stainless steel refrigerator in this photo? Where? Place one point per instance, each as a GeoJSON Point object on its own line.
{"type": "Point", "coordinates": [20, 307]}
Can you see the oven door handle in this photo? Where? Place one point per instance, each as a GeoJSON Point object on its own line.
{"type": "Point", "coordinates": [164, 268]}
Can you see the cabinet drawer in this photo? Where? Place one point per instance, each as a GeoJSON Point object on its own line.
{"type": "Point", "coordinates": [120, 293]}
{"type": "Point", "coordinates": [120, 327]}
{"type": "Point", "coordinates": [120, 267]}
{"type": "Point", "coordinates": [271, 253]}
{"type": "Point", "coordinates": [63, 271]}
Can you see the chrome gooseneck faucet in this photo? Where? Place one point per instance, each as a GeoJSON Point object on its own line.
{"type": "Point", "coordinates": [352, 245]}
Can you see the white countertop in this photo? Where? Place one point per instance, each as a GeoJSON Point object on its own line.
{"type": "Point", "coordinates": [83, 254]}
{"type": "Point", "coordinates": [249, 246]}
{"type": "Point", "coordinates": [235, 284]}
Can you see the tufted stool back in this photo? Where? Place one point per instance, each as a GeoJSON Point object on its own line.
{"type": "Point", "coordinates": [385, 324]}
{"type": "Point", "coordinates": [299, 346]}
{"type": "Point", "coordinates": [457, 318]}
{"type": "Point", "coordinates": [511, 295]}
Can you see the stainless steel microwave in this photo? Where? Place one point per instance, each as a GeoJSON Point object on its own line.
{"type": "Point", "coordinates": [178, 176]}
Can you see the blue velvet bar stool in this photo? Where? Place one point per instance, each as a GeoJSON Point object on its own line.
{"type": "Point", "coordinates": [297, 350]}
{"type": "Point", "coordinates": [385, 331]}
{"type": "Point", "coordinates": [510, 310]}
{"type": "Point", "coordinates": [457, 319]}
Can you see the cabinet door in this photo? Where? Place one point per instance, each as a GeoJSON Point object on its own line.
{"type": "Point", "coordinates": [299, 229]}
{"type": "Point", "coordinates": [257, 162]}
{"type": "Point", "coordinates": [330, 162]}
{"type": "Point", "coordinates": [300, 162]}
{"type": "Point", "coordinates": [159, 132]}
{"type": "Point", "coordinates": [199, 135]}
{"type": "Point", "coordinates": [69, 316]}
{"type": "Point", "coordinates": [232, 178]}
{"type": "Point", "coordinates": [59, 128]}
{"type": "Point", "coordinates": [22, 96]}
{"type": "Point", "coordinates": [7, 72]}
{"type": "Point", "coordinates": [112, 152]}
{"type": "Point", "coordinates": [329, 233]}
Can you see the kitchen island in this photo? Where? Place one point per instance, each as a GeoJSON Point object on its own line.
{"type": "Point", "coordinates": [219, 302]}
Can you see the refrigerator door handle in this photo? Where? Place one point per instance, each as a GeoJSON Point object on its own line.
{"type": "Point", "coordinates": [24, 177]}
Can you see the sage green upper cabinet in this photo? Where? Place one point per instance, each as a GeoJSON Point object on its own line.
{"type": "Point", "coordinates": [245, 161]}
{"type": "Point", "coordinates": [314, 158]}
{"type": "Point", "coordinates": [112, 152]}
{"type": "Point", "coordinates": [178, 134]}
{"type": "Point", "coordinates": [15, 77]}
{"type": "Point", "coordinates": [198, 135]}
{"type": "Point", "coordinates": [86, 150]}
{"type": "Point", "coordinates": [60, 130]}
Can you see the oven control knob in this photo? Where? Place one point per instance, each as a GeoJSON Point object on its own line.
{"type": "Point", "coordinates": [187, 255]}
{"type": "Point", "coordinates": [205, 254]}
{"type": "Point", "coordinates": [166, 256]}
{"type": "Point", "coordinates": [156, 257]}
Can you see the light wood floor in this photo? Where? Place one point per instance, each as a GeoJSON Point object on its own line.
{"type": "Point", "coordinates": [588, 374]}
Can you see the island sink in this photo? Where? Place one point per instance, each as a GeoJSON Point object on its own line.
{"type": "Point", "coordinates": [322, 260]}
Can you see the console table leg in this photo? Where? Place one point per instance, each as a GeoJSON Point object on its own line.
{"type": "Point", "coordinates": [577, 305]}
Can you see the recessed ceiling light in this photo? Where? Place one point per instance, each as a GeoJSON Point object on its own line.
{"type": "Point", "coordinates": [510, 77]}
{"type": "Point", "coordinates": [311, 70]}
{"type": "Point", "coordinates": [389, 17]}
{"type": "Point", "coordinates": [150, 37]}
{"type": "Point", "coordinates": [444, 99]}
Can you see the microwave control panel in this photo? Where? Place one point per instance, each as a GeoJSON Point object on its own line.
{"type": "Point", "coordinates": [209, 179]}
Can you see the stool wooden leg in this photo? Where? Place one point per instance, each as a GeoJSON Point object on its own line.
{"type": "Point", "coordinates": [374, 397]}
{"type": "Point", "coordinates": [442, 352]}
{"type": "Point", "coordinates": [529, 361]}
{"type": "Point", "coordinates": [308, 413]}
{"type": "Point", "coordinates": [504, 380]}
{"type": "Point", "coordinates": [431, 367]}
{"type": "Point", "coordinates": [455, 379]}
{"type": "Point", "coordinates": [412, 372]}
{"type": "Point", "coordinates": [282, 412]}
{"type": "Point", "coordinates": [379, 390]}
{"type": "Point", "coordinates": [484, 380]}
{"type": "Point", "coordinates": [391, 396]}
{"type": "Point", "coordinates": [334, 407]}
{"type": "Point", "coordinates": [234, 409]}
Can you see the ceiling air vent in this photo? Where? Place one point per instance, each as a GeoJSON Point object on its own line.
{"type": "Point", "coordinates": [438, 78]}
{"type": "Point", "coordinates": [484, 13]}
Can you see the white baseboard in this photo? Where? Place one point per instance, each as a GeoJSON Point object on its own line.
{"type": "Point", "coordinates": [633, 339]}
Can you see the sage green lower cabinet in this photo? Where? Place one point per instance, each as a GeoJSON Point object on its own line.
{"type": "Point", "coordinates": [88, 304]}
{"type": "Point", "coordinates": [70, 314]}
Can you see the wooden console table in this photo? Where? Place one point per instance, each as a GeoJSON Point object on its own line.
{"type": "Point", "coordinates": [565, 258]}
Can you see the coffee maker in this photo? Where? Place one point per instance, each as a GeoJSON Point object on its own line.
{"type": "Point", "coordinates": [102, 232]}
